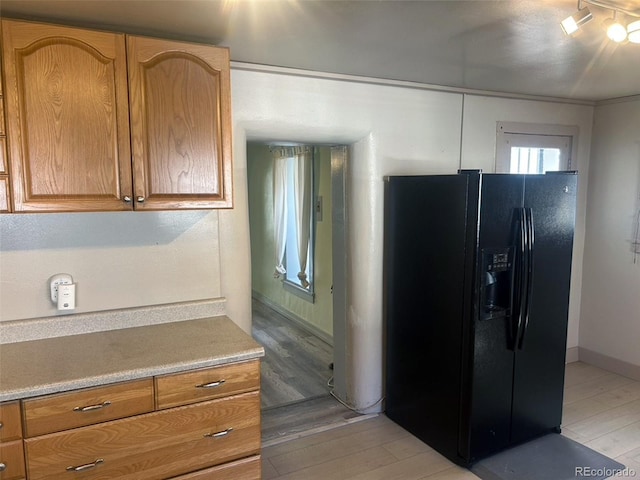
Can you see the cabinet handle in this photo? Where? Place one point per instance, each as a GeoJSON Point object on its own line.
{"type": "Point", "coordinates": [89, 408]}
{"type": "Point", "coordinates": [211, 384]}
{"type": "Point", "coordinates": [223, 433]}
{"type": "Point", "coordinates": [3, 467]}
{"type": "Point", "coordinates": [87, 466]}
{"type": "Point", "coordinates": [127, 199]}
{"type": "Point", "coordinates": [140, 199]}
{"type": "Point", "coordinates": [1, 425]}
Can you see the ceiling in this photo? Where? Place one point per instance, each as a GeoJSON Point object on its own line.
{"type": "Point", "coordinates": [513, 46]}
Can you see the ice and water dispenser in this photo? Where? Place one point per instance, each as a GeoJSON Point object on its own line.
{"type": "Point", "coordinates": [496, 283]}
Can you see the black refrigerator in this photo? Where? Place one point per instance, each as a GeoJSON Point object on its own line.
{"type": "Point", "coordinates": [476, 282]}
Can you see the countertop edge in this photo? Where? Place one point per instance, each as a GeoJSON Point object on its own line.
{"type": "Point", "coordinates": [221, 342]}
{"type": "Point", "coordinates": [124, 376]}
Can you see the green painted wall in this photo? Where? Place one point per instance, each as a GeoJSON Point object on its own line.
{"type": "Point", "coordinates": [319, 315]}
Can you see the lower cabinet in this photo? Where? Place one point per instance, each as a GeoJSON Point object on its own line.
{"type": "Point", "coordinates": [97, 434]}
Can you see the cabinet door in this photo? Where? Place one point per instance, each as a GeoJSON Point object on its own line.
{"type": "Point", "coordinates": [180, 124]}
{"type": "Point", "coordinates": [12, 461]}
{"type": "Point", "coordinates": [67, 118]}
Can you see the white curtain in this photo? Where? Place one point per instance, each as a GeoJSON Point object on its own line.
{"type": "Point", "coordinates": [302, 192]}
{"type": "Point", "coordinates": [279, 210]}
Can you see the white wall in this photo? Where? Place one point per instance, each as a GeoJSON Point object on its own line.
{"type": "Point", "coordinates": [119, 260]}
{"type": "Point", "coordinates": [391, 130]}
{"type": "Point", "coordinates": [610, 323]}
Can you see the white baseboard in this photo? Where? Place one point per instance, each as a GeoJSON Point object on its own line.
{"type": "Point", "coordinates": [573, 355]}
{"type": "Point", "coordinates": [611, 364]}
{"type": "Point", "coordinates": [300, 322]}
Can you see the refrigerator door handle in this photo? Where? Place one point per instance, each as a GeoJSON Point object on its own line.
{"type": "Point", "coordinates": [519, 286]}
{"type": "Point", "coordinates": [530, 244]}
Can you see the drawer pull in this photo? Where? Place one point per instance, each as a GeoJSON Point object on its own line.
{"type": "Point", "coordinates": [90, 408]}
{"type": "Point", "coordinates": [223, 433]}
{"type": "Point", "coordinates": [211, 384]}
{"type": "Point", "coordinates": [3, 467]}
{"type": "Point", "coordinates": [88, 466]}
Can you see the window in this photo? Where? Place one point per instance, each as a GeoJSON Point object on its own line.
{"type": "Point", "coordinates": [534, 148]}
{"type": "Point", "coordinates": [293, 218]}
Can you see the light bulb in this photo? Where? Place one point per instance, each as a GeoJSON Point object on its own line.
{"type": "Point", "coordinates": [569, 26]}
{"type": "Point", "coordinates": [616, 31]}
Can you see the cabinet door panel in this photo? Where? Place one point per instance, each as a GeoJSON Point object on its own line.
{"type": "Point", "coordinates": [12, 456]}
{"type": "Point", "coordinates": [68, 127]}
{"type": "Point", "coordinates": [180, 112]}
{"type": "Point", "coordinates": [5, 204]}
{"type": "Point", "coordinates": [3, 155]}
{"type": "Point", "coordinates": [10, 421]}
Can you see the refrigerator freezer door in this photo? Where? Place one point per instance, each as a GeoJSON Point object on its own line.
{"type": "Point", "coordinates": [425, 249]}
{"type": "Point", "coordinates": [539, 364]}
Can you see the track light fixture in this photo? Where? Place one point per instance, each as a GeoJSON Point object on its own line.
{"type": "Point", "coordinates": [633, 32]}
{"type": "Point", "coordinates": [615, 27]}
{"type": "Point", "coordinates": [572, 23]}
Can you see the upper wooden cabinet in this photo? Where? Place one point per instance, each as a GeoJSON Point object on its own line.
{"type": "Point", "coordinates": [67, 118]}
{"type": "Point", "coordinates": [88, 131]}
{"type": "Point", "coordinates": [179, 96]}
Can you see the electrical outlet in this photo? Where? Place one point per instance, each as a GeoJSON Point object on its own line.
{"type": "Point", "coordinates": [55, 281]}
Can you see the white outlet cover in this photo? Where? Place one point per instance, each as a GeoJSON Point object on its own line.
{"type": "Point", "coordinates": [58, 279]}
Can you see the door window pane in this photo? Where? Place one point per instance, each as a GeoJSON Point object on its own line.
{"type": "Point", "coordinates": [534, 148]}
{"type": "Point", "coordinates": [534, 160]}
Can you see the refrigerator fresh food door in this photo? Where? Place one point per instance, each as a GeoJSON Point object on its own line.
{"type": "Point", "coordinates": [540, 353]}
{"type": "Point", "coordinates": [493, 357]}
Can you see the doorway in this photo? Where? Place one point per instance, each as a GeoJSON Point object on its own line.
{"type": "Point", "coordinates": [303, 335]}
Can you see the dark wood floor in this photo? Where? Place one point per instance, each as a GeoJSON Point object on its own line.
{"type": "Point", "coordinates": [296, 365]}
{"type": "Point", "coordinates": [296, 399]}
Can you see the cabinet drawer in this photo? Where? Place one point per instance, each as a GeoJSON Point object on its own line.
{"type": "Point", "coordinates": [53, 413]}
{"type": "Point", "coordinates": [10, 424]}
{"type": "Point", "coordinates": [152, 446]}
{"type": "Point", "coordinates": [12, 457]}
{"type": "Point", "coordinates": [205, 384]}
{"type": "Point", "coordinates": [245, 469]}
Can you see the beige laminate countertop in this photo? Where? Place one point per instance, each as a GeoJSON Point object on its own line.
{"type": "Point", "coordinates": [52, 365]}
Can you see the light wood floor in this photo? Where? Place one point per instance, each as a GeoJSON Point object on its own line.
{"type": "Point", "coordinates": [602, 411]}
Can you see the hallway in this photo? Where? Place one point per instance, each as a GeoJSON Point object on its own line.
{"type": "Point", "coordinates": [295, 375]}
